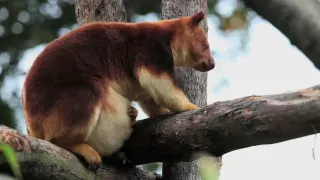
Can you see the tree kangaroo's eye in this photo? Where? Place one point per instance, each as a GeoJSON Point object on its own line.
{"type": "Point", "coordinates": [205, 47]}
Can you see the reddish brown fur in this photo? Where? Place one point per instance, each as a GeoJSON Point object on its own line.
{"type": "Point", "coordinates": [71, 77]}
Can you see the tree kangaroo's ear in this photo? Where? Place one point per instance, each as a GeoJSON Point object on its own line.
{"type": "Point", "coordinates": [196, 18]}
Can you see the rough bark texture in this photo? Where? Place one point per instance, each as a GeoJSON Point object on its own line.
{"type": "Point", "coordinates": [296, 19]}
{"type": "Point", "coordinates": [226, 126]}
{"type": "Point", "coordinates": [217, 129]}
{"type": "Point", "coordinates": [100, 10]}
{"type": "Point", "coordinates": [41, 160]}
{"type": "Point", "coordinates": [193, 83]}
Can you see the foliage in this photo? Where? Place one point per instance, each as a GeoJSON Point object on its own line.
{"type": "Point", "coordinates": [7, 155]}
{"type": "Point", "coordinates": [24, 25]}
{"type": "Point", "coordinates": [6, 115]}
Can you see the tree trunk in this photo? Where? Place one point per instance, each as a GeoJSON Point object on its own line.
{"type": "Point", "coordinates": [100, 10]}
{"type": "Point", "coordinates": [193, 83]}
{"type": "Point", "coordinates": [296, 19]}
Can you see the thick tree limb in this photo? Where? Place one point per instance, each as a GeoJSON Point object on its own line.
{"type": "Point", "coordinates": [296, 19]}
{"type": "Point", "coordinates": [226, 126]}
{"type": "Point", "coordinates": [218, 129]}
{"type": "Point", "coordinates": [41, 160]}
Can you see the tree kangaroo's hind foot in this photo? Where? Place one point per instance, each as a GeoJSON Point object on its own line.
{"type": "Point", "coordinates": [91, 156]}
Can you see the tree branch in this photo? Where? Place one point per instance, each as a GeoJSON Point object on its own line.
{"type": "Point", "coordinates": [218, 129]}
{"type": "Point", "coordinates": [296, 19]}
{"type": "Point", "coordinates": [41, 160]}
{"type": "Point", "coordinates": [226, 126]}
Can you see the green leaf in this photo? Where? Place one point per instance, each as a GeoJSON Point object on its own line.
{"type": "Point", "coordinates": [10, 156]}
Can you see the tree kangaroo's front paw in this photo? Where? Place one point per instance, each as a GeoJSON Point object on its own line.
{"type": "Point", "coordinates": [164, 111]}
{"type": "Point", "coordinates": [191, 107]}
